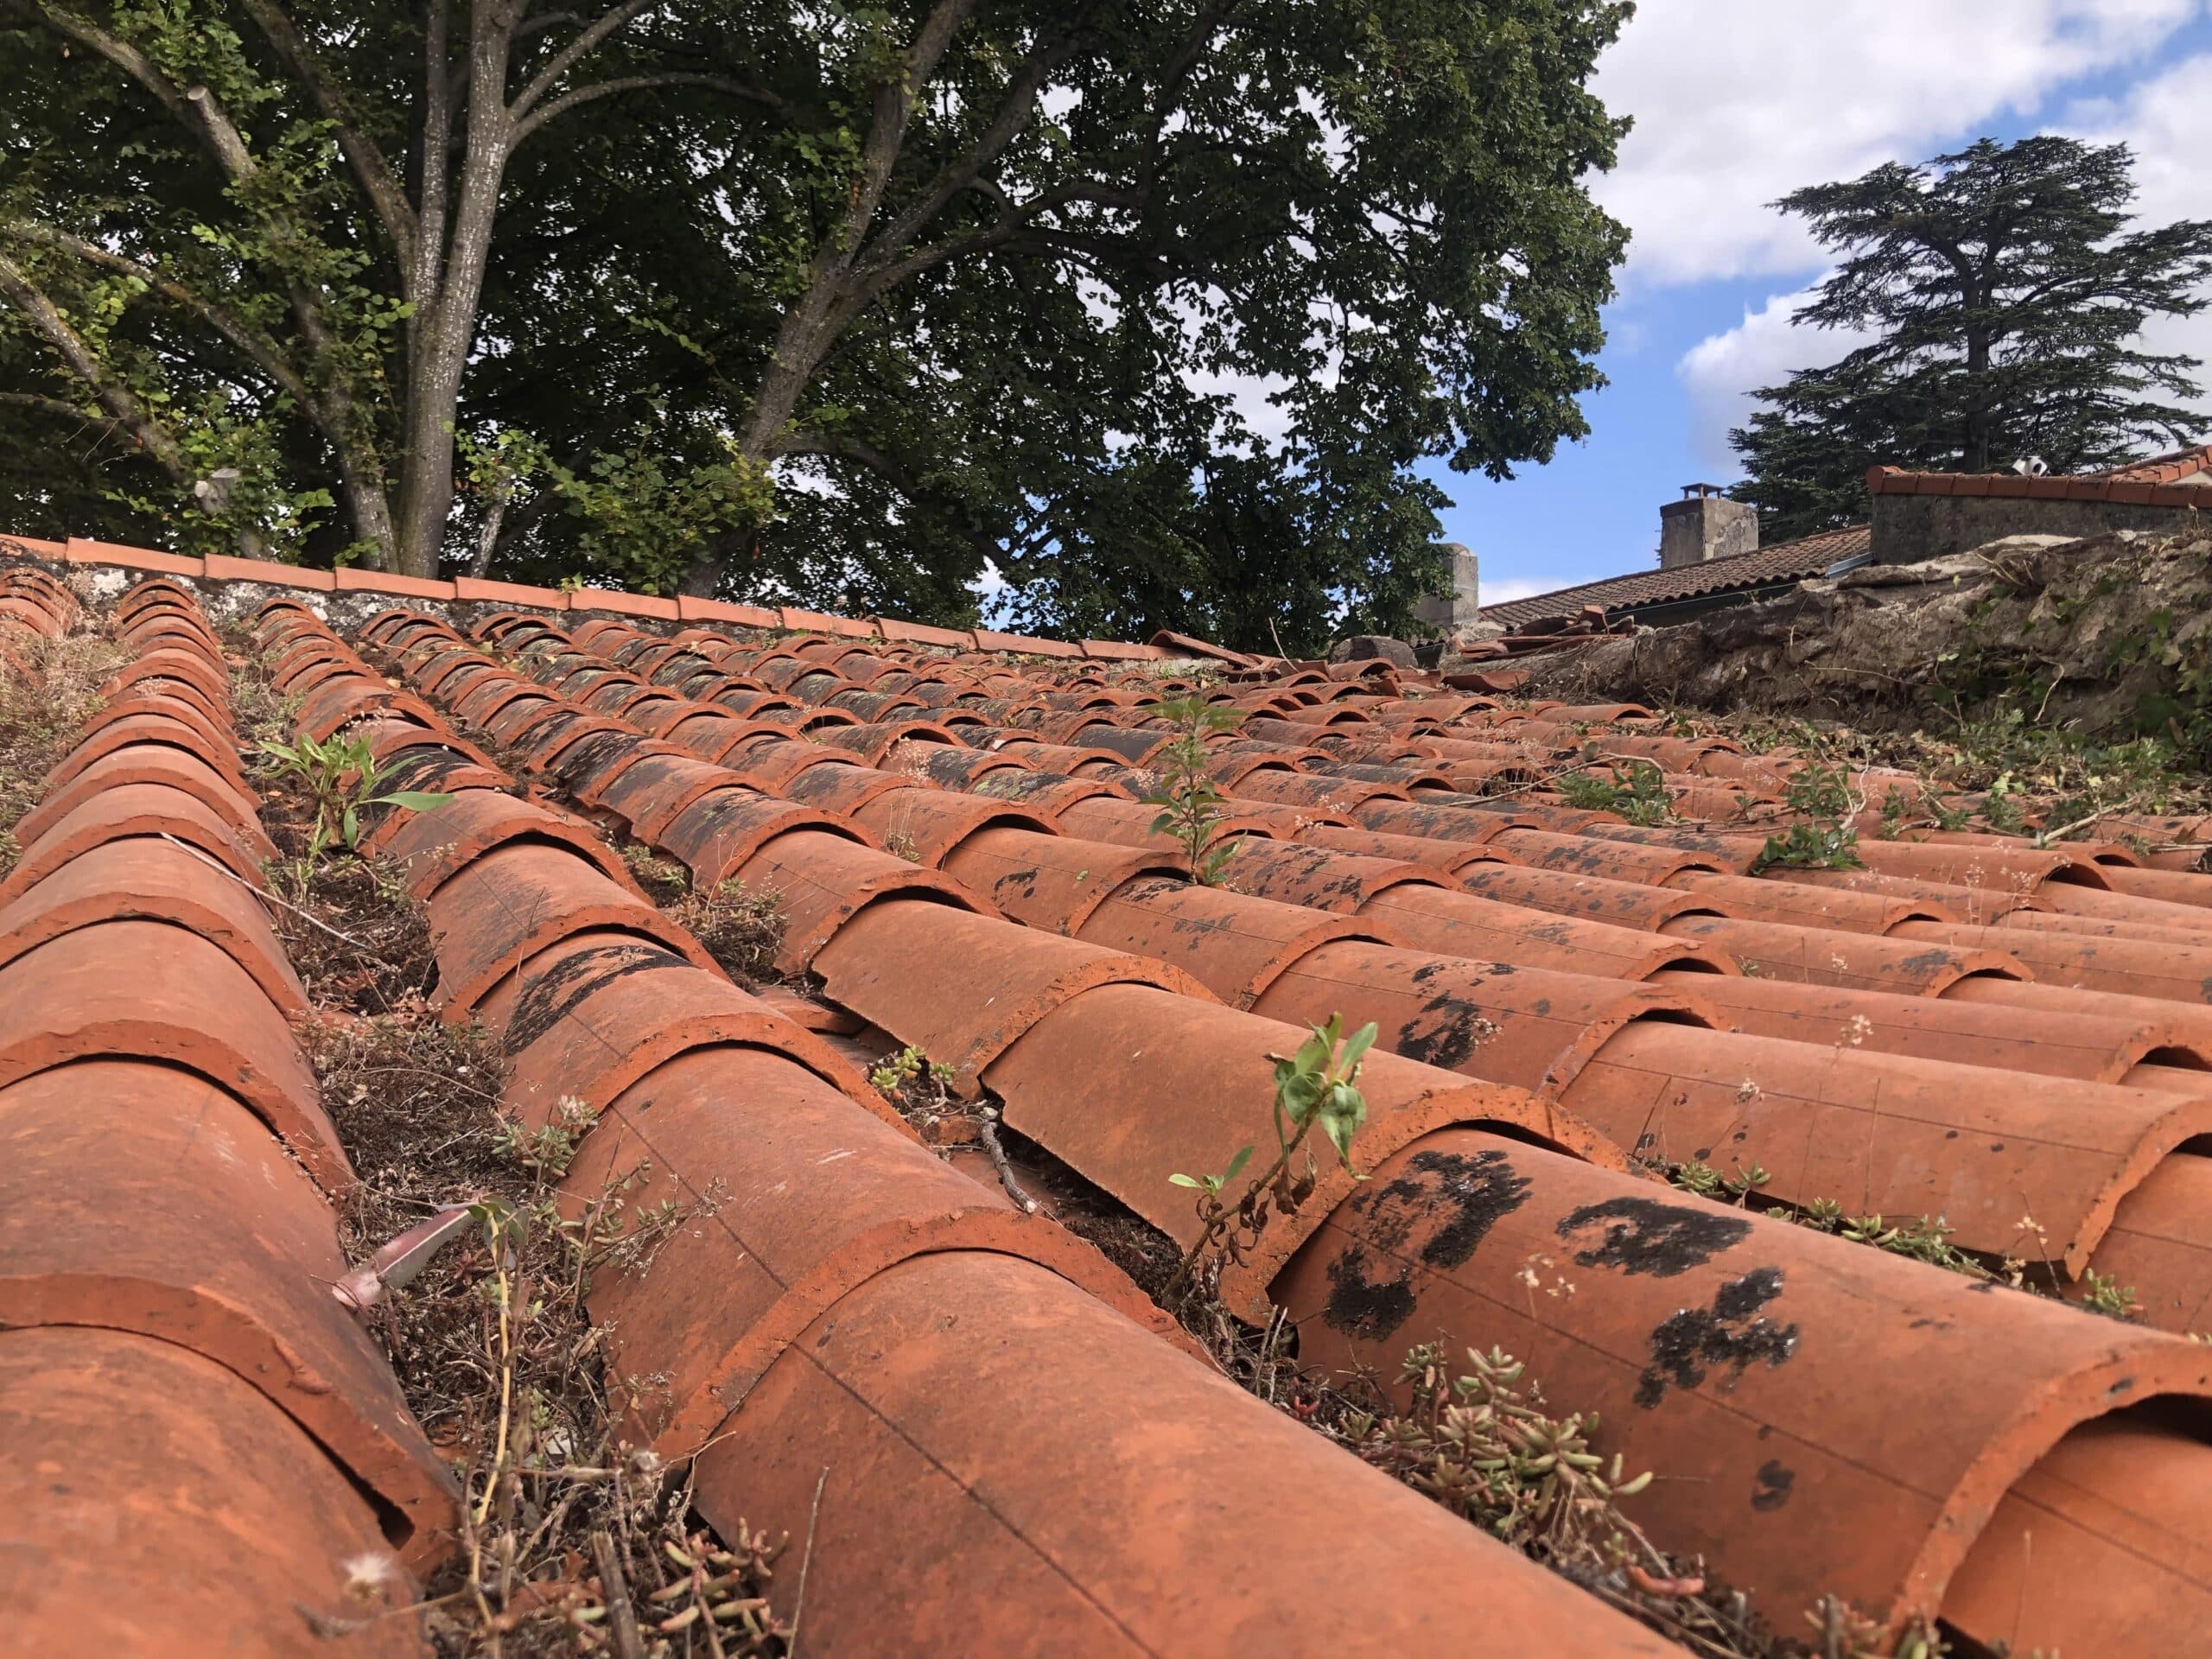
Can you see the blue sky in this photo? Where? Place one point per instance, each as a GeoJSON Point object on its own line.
{"type": "Point", "coordinates": [1738, 101]}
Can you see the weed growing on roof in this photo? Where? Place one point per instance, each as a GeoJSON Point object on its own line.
{"type": "Point", "coordinates": [567, 1533]}
{"type": "Point", "coordinates": [741, 930]}
{"type": "Point", "coordinates": [1478, 1446]}
{"type": "Point", "coordinates": [1191, 806]}
{"type": "Point", "coordinates": [1318, 1085]}
{"type": "Point", "coordinates": [1479, 1440]}
{"type": "Point", "coordinates": [2102, 1292]}
{"type": "Point", "coordinates": [1709, 1183]}
{"type": "Point", "coordinates": [1636, 792]}
{"type": "Point", "coordinates": [341, 774]}
{"type": "Point", "coordinates": [40, 718]}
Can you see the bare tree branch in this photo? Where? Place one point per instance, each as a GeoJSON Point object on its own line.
{"type": "Point", "coordinates": [568, 57]}
{"type": "Point", "coordinates": [569, 101]}
{"type": "Point", "coordinates": [118, 399]}
{"type": "Point", "coordinates": [377, 182]}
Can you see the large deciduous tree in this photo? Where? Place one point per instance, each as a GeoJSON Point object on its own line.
{"type": "Point", "coordinates": [2006, 290]}
{"type": "Point", "coordinates": [1152, 308]}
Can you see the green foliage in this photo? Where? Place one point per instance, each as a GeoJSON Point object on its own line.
{"type": "Point", "coordinates": [1709, 1183]}
{"type": "Point", "coordinates": [1317, 1086]}
{"type": "Point", "coordinates": [1822, 794]}
{"type": "Point", "coordinates": [1191, 805]}
{"type": "Point", "coordinates": [1828, 846]}
{"type": "Point", "coordinates": [751, 350]}
{"type": "Point", "coordinates": [1636, 791]}
{"type": "Point", "coordinates": [906, 1068]}
{"type": "Point", "coordinates": [342, 777]}
{"type": "Point", "coordinates": [2007, 289]}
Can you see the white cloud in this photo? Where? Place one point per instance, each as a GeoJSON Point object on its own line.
{"type": "Point", "coordinates": [1721, 371]}
{"type": "Point", "coordinates": [2167, 120]}
{"type": "Point", "coordinates": [1737, 102]}
{"type": "Point", "coordinates": [1505, 593]}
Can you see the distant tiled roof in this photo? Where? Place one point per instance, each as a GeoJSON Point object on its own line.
{"type": "Point", "coordinates": [1809, 555]}
{"type": "Point", "coordinates": [2179, 479]}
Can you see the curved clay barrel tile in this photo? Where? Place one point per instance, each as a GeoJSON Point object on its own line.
{"type": "Point", "coordinates": [926, 824]}
{"type": "Point", "coordinates": [2174, 973]}
{"type": "Point", "coordinates": [798, 1202]}
{"type": "Point", "coordinates": [1466, 924]}
{"type": "Point", "coordinates": [1045, 792]}
{"type": "Point", "coordinates": [2092, 927]}
{"type": "Point", "coordinates": [135, 811]}
{"type": "Point", "coordinates": [147, 763]}
{"type": "Point", "coordinates": [821, 882]}
{"type": "Point", "coordinates": [588, 1017]}
{"type": "Point", "coordinates": [429, 847]}
{"type": "Point", "coordinates": [1597, 899]}
{"type": "Point", "coordinates": [2169, 887]}
{"type": "Point", "coordinates": [1524, 1027]}
{"type": "Point", "coordinates": [1295, 873]}
{"type": "Point", "coordinates": [138, 1197]}
{"type": "Point", "coordinates": [591, 763]}
{"type": "Point", "coordinates": [145, 990]}
{"type": "Point", "coordinates": [1127, 1085]}
{"type": "Point", "coordinates": [963, 1391]}
{"type": "Point", "coordinates": [2018, 868]}
{"type": "Point", "coordinates": [962, 987]}
{"type": "Point", "coordinates": [214, 730]}
{"type": "Point", "coordinates": [1432, 821]}
{"type": "Point", "coordinates": [2057, 1043]}
{"type": "Point", "coordinates": [505, 905]}
{"type": "Point", "coordinates": [165, 671]}
{"type": "Point", "coordinates": [1801, 905]}
{"type": "Point", "coordinates": [1234, 945]}
{"type": "Point", "coordinates": [1733, 853]}
{"type": "Point", "coordinates": [1976, 905]}
{"type": "Point", "coordinates": [2069, 898]}
{"type": "Point", "coordinates": [1891, 1135]}
{"type": "Point", "coordinates": [717, 832]}
{"type": "Point", "coordinates": [1049, 882]}
{"type": "Point", "coordinates": [1445, 857]}
{"type": "Point", "coordinates": [1317, 791]}
{"type": "Point", "coordinates": [649, 792]}
{"type": "Point", "coordinates": [498, 705]}
{"type": "Point", "coordinates": [1827, 1418]}
{"type": "Point", "coordinates": [339, 702]}
{"type": "Point", "coordinates": [2159, 1244]}
{"type": "Point", "coordinates": [1809, 956]}
{"type": "Point", "coordinates": [2101, 1548]}
{"type": "Point", "coordinates": [158, 881]}
{"type": "Point", "coordinates": [2191, 1021]}
{"type": "Point", "coordinates": [158, 731]}
{"type": "Point", "coordinates": [841, 790]}
{"type": "Point", "coordinates": [1613, 860]}
{"type": "Point", "coordinates": [219, 1513]}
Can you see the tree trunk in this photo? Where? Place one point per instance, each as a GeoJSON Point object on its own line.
{"type": "Point", "coordinates": [438, 352]}
{"type": "Point", "coordinates": [804, 337]}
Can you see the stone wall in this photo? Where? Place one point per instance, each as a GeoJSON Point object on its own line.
{"type": "Point", "coordinates": [1908, 529]}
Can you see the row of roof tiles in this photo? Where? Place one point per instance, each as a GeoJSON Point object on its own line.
{"type": "Point", "coordinates": [474, 590]}
{"type": "Point", "coordinates": [1040, 947]}
{"type": "Point", "coordinates": [184, 1406]}
{"type": "Point", "coordinates": [993, 996]}
{"type": "Point", "coordinates": [1792, 561]}
{"type": "Point", "coordinates": [851, 1303]}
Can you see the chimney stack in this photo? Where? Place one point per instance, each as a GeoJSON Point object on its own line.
{"type": "Point", "coordinates": [1706, 524]}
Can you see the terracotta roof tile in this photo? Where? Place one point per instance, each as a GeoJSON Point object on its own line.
{"type": "Point", "coordinates": [1795, 561]}
{"type": "Point", "coordinates": [1558, 991]}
